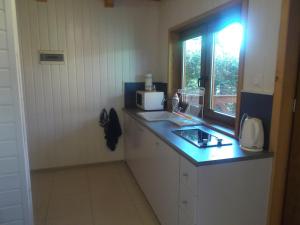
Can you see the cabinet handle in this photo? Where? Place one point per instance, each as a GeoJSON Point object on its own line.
{"type": "Point", "coordinates": [185, 202]}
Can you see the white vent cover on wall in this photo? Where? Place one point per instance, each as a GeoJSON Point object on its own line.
{"type": "Point", "coordinates": [52, 57]}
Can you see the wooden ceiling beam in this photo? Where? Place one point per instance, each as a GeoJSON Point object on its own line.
{"type": "Point", "coordinates": [109, 3]}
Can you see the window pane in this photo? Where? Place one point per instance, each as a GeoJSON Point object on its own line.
{"type": "Point", "coordinates": [191, 62]}
{"type": "Point", "coordinates": [225, 66]}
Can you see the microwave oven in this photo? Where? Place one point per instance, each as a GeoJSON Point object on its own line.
{"type": "Point", "coordinates": [150, 100]}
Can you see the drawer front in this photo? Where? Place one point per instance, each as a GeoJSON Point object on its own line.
{"type": "Point", "coordinates": [188, 175]}
{"type": "Point", "coordinates": [187, 203]}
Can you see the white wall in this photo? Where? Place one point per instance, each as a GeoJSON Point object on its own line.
{"type": "Point", "coordinates": [104, 48]}
{"type": "Point", "coordinates": [262, 37]}
{"type": "Point", "coordinates": [15, 193]}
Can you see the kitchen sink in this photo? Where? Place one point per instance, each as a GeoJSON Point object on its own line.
{"type": "Point", "coordinates": [168, 116]}
{"type": "Point", "coordinates": [156, 116]}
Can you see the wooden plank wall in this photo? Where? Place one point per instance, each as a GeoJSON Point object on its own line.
{"type": "Point", "coordinates": [15, 197]}
{"type": "Point", "coordinates": [104, 47]}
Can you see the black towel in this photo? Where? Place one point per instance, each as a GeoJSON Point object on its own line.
{"type": "Point", "coordinates": [112, 130]}
{"type": "Point", "coordinates": [103, 120]}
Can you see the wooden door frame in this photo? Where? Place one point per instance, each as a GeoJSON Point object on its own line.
{"type": "Point", "coordinates": [291, 190]}
{"type": "Point", "coordinates": [175, 56]}
{"type": "Point", "coordinates": [283, 104]}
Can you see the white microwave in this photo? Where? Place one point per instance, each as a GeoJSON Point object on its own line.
{"type": "Point", "coordinates": [150, 100]}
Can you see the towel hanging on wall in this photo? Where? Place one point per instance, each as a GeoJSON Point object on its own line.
{"type": "Point", "coordinates": [103, 120]}
{"type": "Point", "coordinates": [112, 127]}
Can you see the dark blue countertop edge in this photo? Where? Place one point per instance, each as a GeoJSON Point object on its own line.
{"type": "Point", "coordinates": [172, 141]}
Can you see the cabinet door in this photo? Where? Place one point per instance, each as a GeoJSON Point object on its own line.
{"type": "Point", "coordinates": [133, 145]}
{"type": "Point", "coordinates": [137, 149]}
{"type": "Point", "coordinates": [156, 169]}
{"type": "Point", "coordinates": [127, 138]}
{"type": "Point", "coordinates": [142, 149]}
{"type": "Point", "coordinates": [188, 192]}
{"type": "Point", "coordinates": [234, 193]}
{"type": "Point", "coordinates": [165, 183]}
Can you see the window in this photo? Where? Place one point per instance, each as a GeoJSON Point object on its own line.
{"type": "Point", "coordinates": [191, 62]}
{"type": "Point", "coordinates": [210, 58]}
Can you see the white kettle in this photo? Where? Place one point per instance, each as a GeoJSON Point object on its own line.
{"type": "Point", "coordinates": [251, 134]}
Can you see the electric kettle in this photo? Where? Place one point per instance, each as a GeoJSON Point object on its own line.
{"type": "Point", "coordinates": [251, 134]}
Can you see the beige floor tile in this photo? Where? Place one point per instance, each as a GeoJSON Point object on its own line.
{"type": "Point", "coordinates": [143, 208]}
{"type": "Point", "coordinates": [70, 206]}
{"type": "Point", "coordinates": [115, 213]}
{"type": "Point", "coordinates": [70, 182]}
{"type": "Point", "coordinates": [40, 209]}
{"type": "Point", "coordinates": [131, 186]}
{"type": "Point", "coordinates": [40, 222]}
{"type": "Point", "coordinates": [112, 204]}
{"type": "Point", "coordinates": [41, 185]}
{"type": "Point", "coordinates": [105, 171]}
{"type": "Point", "coordinates": [104, 182]}
{"type": "Point", "coordinates": [76, 220]}
{"type": "Point", "coordinates": [146, 214]}
{"type": "Point", "coordinates": [97, 195]}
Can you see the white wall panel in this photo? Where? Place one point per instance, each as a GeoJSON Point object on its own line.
{"type": "Point", "coordinates": [8, 148]}
{"type": "Point", "coordinates": [4, 78]}
{"type": "Point", "coordinates": [11, 213]}
{"type": "Point", "coordinates": [19, 222]}
{"type": "Point", "coordinates": [9, 182]}
{"type": "Point", "coordinates": [3, 41]}
{"type": "Point", "coordinates": [8, 165]}
{"type": "Point", "coordinates": [104, 47]}
{"type": "Point", "coordinates": [2, 20]}
{"type": "Point", "coordinates": [15, 193]}
{"type": "Point", "coordinates": [6, 114]}
{"type": "Point", "coordinates": [6, 97]}
{"type": "Point", "coordinates": [262, 44]}
{"type": "Point", "coordinates": [7, 132]}
{"type": "Point", "coordinates": [3, 58]}
{"type": "Point", "coordinates": [10, 198]}
{"type": "Point", "coordinates": [1, 4]}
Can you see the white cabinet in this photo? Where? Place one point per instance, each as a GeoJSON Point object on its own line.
{"type": "Point", "coordinates": [230, 194]}
{"type": "Point", "coordinates": [183, 194]}
{"type": "Point", "coordinates": [234, 193]}
{"type": "Point", "coordinates": [166, 183]}
{"type": "Point", "coordinates": [130, 131]}
{"type": "Point", "coordinates": [156, 168]}
{"type": "Point", "coordinates": [188, 193]}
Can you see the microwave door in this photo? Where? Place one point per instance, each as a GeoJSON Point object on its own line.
{"type": "Point", "coordinates": [139, 100]}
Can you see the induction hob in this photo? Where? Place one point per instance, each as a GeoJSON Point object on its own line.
{"type": "Point", "coordinates": [202, 139]}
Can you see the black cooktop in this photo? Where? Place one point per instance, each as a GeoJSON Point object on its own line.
{"type": "Point", "coordinates": [201, 138]}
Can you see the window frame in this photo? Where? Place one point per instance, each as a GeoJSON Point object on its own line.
{"type": "Point", "coordinates": [207, 23]}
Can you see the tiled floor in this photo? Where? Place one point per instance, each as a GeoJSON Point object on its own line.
{"type": "Point", "coordinates": [97, 195]}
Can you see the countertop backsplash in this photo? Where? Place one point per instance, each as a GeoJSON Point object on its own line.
{"type": "Point", "coordinates": [254, 104]}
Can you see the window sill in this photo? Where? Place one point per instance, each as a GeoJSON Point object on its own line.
{"type": "Point", "coordinates": [220, 128]}
{"type": "Point", "coordinates": [215, 125]}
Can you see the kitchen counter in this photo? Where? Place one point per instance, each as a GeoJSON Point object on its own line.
{"type": "Point", "coordinates": [197, 156]}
